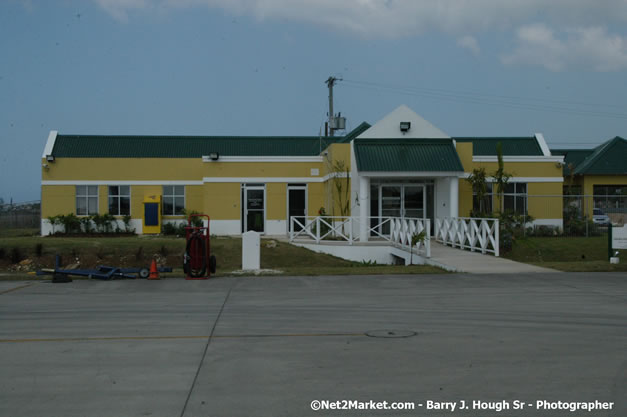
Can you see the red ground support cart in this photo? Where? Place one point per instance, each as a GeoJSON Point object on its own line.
{"type": "Point", "coordinates": [198, 263]}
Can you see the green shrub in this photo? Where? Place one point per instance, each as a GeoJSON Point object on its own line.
{"type": "Point", "coordinates": [545, 231]}
{"type": "Point", "coordinates": [104, 222]}
{"type": "Point", "coordinates": [169, 229]}
{"type": "Point", "coordinates": [54, 221]}
{"type": "Point", "coordinates": [108, 223]}
{"type": "Point", "coordinates": [511, 227]}
{"type": "Point", "coordinates": [70, 222]}
{"type": "Point", "coordinates": [127, 224]}
{"type": "Point", "coordinates": [196, 220]}
{"type": "Point", "coordinates": [86, 224]}
{"type": "Point", "coordinates": [98, 221]}
{"type": "Point", "coordinates": [576, 224]}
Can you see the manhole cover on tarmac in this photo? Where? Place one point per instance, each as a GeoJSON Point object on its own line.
{"type": "Point", "coordinates": [391, 333]}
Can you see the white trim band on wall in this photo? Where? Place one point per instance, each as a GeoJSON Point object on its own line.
{"type": "Point", "coordinates": [117, 182]}
{"type": "Point", "coordinates": [261, 179]}
{"type": "Point", "coordinates": [204, 180]}
{"type": "Point", "coordinates": [287, 179]}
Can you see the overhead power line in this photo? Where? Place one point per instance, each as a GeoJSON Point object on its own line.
{"type": "Point", "coordinates": [515, 102]}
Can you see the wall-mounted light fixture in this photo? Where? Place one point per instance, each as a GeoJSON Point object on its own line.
{"type": "Point", "coordinates": [405, 126]}
{"type": "Point", "coordinates": [50, 158]}
{"type": "Point", "coordinates": [214, 156]}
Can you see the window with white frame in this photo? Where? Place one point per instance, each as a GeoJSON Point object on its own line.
{"type": "Point", "coordinates": [86, 200]}
{"type": "Point", "coordinates": [484, 206]}
{"type": "Point", "coordinates": [515, 198]}
{"type": "Point", "coordinates": [173, 200]}
{"type": "Point", "coordinates": [119, 200]}
{"type": "Point", "coordinates": [611, 198]}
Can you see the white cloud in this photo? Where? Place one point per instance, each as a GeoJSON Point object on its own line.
{"type": "Point", "coordinates": [119, 9]}
{"type": "Point", "coordinates": [394, 18]}
{"type": "Point", "coordinates": [469, 43]}
{"type": "Point", "coordinates": [553, 45]}
{"type": "Point", "coordinates": [588, 47]}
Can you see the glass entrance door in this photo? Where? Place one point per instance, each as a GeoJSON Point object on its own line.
{"type": "Point", "coordinates": [401, 200]}
{"type": "Point", "coordinates": [414, 201]}
{"type": "Point", "coordinates": [253, 208]}
{"type": "Point", "coordinates": [391, 200]}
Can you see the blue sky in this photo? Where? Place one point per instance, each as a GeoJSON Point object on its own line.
{"type": "Point", "coordinates": [257, 67]}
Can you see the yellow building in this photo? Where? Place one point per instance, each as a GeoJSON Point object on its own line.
{"type": "Point", "coordinates": [402, 166]}
{"type": "Point", "coordinates": [595, 180]}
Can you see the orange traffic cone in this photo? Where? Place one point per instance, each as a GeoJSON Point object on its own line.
{"type": "Point", "coordinates": [154, 274]}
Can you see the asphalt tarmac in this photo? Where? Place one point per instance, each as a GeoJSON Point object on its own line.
{"type": "Point", "coordinates": [270, 346]}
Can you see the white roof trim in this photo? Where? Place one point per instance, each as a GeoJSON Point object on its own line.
{"type": "Point", "coordinates": [545, 149]}
{"type": "Point", "coordinates": [533, 158]}
{"type": "Point", "coordinates": [206, 158]}
{"type": "Point", "coordinates": [52, 138]}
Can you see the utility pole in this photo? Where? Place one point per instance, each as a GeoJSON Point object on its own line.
{"type": "Point", "coordinates": [330, 83]}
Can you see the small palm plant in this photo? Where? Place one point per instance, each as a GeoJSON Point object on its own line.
{"type": "Point", "coordinates": [415, 239]}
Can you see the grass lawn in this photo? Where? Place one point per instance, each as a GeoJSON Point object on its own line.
{"type": "Point", "coordinates": [586, 254]}
{"type": "Point", "coordinates": [5, 232]}
{"type": "Point", "coordinates": [137, 251]}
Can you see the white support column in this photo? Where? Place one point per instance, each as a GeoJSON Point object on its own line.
{"type": "Point", "coordinates": [364, 204]}
{"type": "Point", "coordinates": [453, 196]}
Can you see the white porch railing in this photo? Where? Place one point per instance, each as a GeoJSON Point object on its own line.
{"type": "Point", "coordinates": [476, 234]}
{"type": "Point", "coordinates": [398, 231]}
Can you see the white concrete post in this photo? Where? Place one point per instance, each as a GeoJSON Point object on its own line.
{"type": "Point", "coordinates": [251, 247]}
{"type": "Point", "coordinates": [350, 230]}
{"type": "Point", "coordinates": [428, 239]}
{"type": "Point", "coordinates": [496, 238]}
{"type": "Point", "coordinates": [364, 203]}
{"type": "Point", "coordinates": [453, 197]}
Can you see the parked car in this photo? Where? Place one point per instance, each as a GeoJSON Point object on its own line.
{"type": "Point", "coordinates": [600, 218]}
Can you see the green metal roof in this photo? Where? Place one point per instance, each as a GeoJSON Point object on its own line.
{"type": "Point", "coordinates": [394, 155]}
{"type": "Point", "coordinates": [572, 158]}
{"type": "Point", "coordinates": [609, 158]}
{"type": "Point", "coordinates": [91, 146]}
{"type": "Point", "coordinates": [512, 146]}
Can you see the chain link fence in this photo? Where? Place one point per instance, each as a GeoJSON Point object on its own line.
{"type": "Point", "coordinates": [579, 215]}
{"type": "Point", "coordinates": [20, 216]}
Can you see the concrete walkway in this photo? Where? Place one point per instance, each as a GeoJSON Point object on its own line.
{"type": "Point", "coordinates": [457, 260]}
{"type": "Point", "coordinates": [445, 257]}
